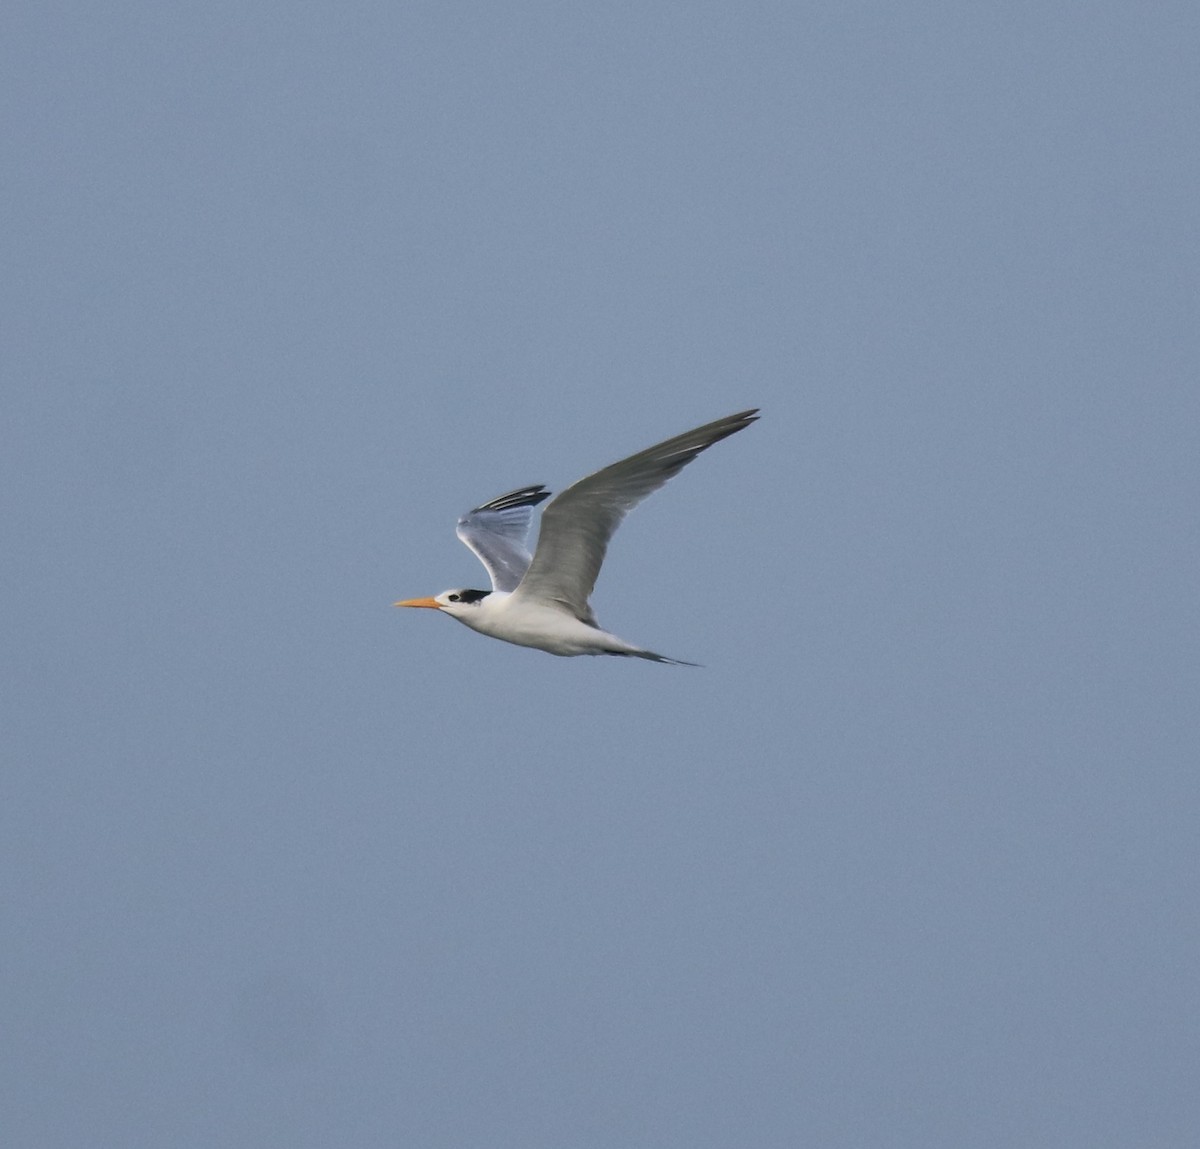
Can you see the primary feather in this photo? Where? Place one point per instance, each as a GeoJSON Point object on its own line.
{"type": "Point", "coordinates": [578, 524]}
{"type": "Point", "coordinates": [497, 531]}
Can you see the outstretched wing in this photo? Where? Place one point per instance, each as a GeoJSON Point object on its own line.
{"type": "Point", "coordinates": [497, 531]}
{"type": "Point", "coordinates": [577, 525]}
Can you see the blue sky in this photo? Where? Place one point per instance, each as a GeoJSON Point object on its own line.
{"type": "Point", "coordinates": [910, 862]}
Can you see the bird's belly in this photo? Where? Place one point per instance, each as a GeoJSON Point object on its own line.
{"type": "Point", "coordinates": [544, 629]}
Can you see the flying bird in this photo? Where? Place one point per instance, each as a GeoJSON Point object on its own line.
{"type": "Point", "coordinates": [542, 600]}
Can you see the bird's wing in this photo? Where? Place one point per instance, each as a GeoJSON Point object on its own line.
{"type": "Point", "coordinates": [497, 531]}
{"type": "Point", "coordinates": [577, 525]}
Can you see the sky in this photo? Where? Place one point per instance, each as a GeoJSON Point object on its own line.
{"type": "Point", "coordinates": [910, 861]}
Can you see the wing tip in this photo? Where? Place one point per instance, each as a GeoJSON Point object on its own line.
{"type": "Point", "coordinates": [522, 497]}
{"type": "Point", "coordinates": [684, 448]}
{"type": "Point", "coordinates": [740, 419]}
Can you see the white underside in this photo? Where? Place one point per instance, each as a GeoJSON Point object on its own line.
{"type": "Point", "coordinates": [540, 625]}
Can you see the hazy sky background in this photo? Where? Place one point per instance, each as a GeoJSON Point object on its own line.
{"type": "Point", "coordinates": [911, 862]}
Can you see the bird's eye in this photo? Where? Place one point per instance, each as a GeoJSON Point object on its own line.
{"type": "Point", "coordinates": [454, 598]}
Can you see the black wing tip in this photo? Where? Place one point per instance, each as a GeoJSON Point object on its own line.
{"type": "Point", "coordinates": [681, 450]}
{"type": "Point", "coordinates": [703, 437]}
{"type": "Point", "coordinates": [738, 421]}
{"type": "Point", "coordinates": [521, 497]}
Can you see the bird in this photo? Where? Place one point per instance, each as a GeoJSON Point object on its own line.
{"type": "Point", "coordinates": [541, 600]}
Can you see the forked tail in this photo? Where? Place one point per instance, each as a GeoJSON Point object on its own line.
{"type": "Point", "coordinates": [652, 657]}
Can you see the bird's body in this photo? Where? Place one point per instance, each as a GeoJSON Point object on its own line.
{"type": "Point", "coordinates": [543, 626]}
{"type": "Point", "coordinates": [541, 600]}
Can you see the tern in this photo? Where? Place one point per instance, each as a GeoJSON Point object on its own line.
{"type": "Point", "coordinates": [542, 600]}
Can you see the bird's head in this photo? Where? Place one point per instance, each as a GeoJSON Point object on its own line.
{"type": "Point", "coordinates": [458, 603]}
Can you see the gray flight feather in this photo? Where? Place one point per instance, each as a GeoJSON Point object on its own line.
{"type": "Point", "coordinates": [497, 531]}
{"type": "Point", "coordinates": [577, 525]}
